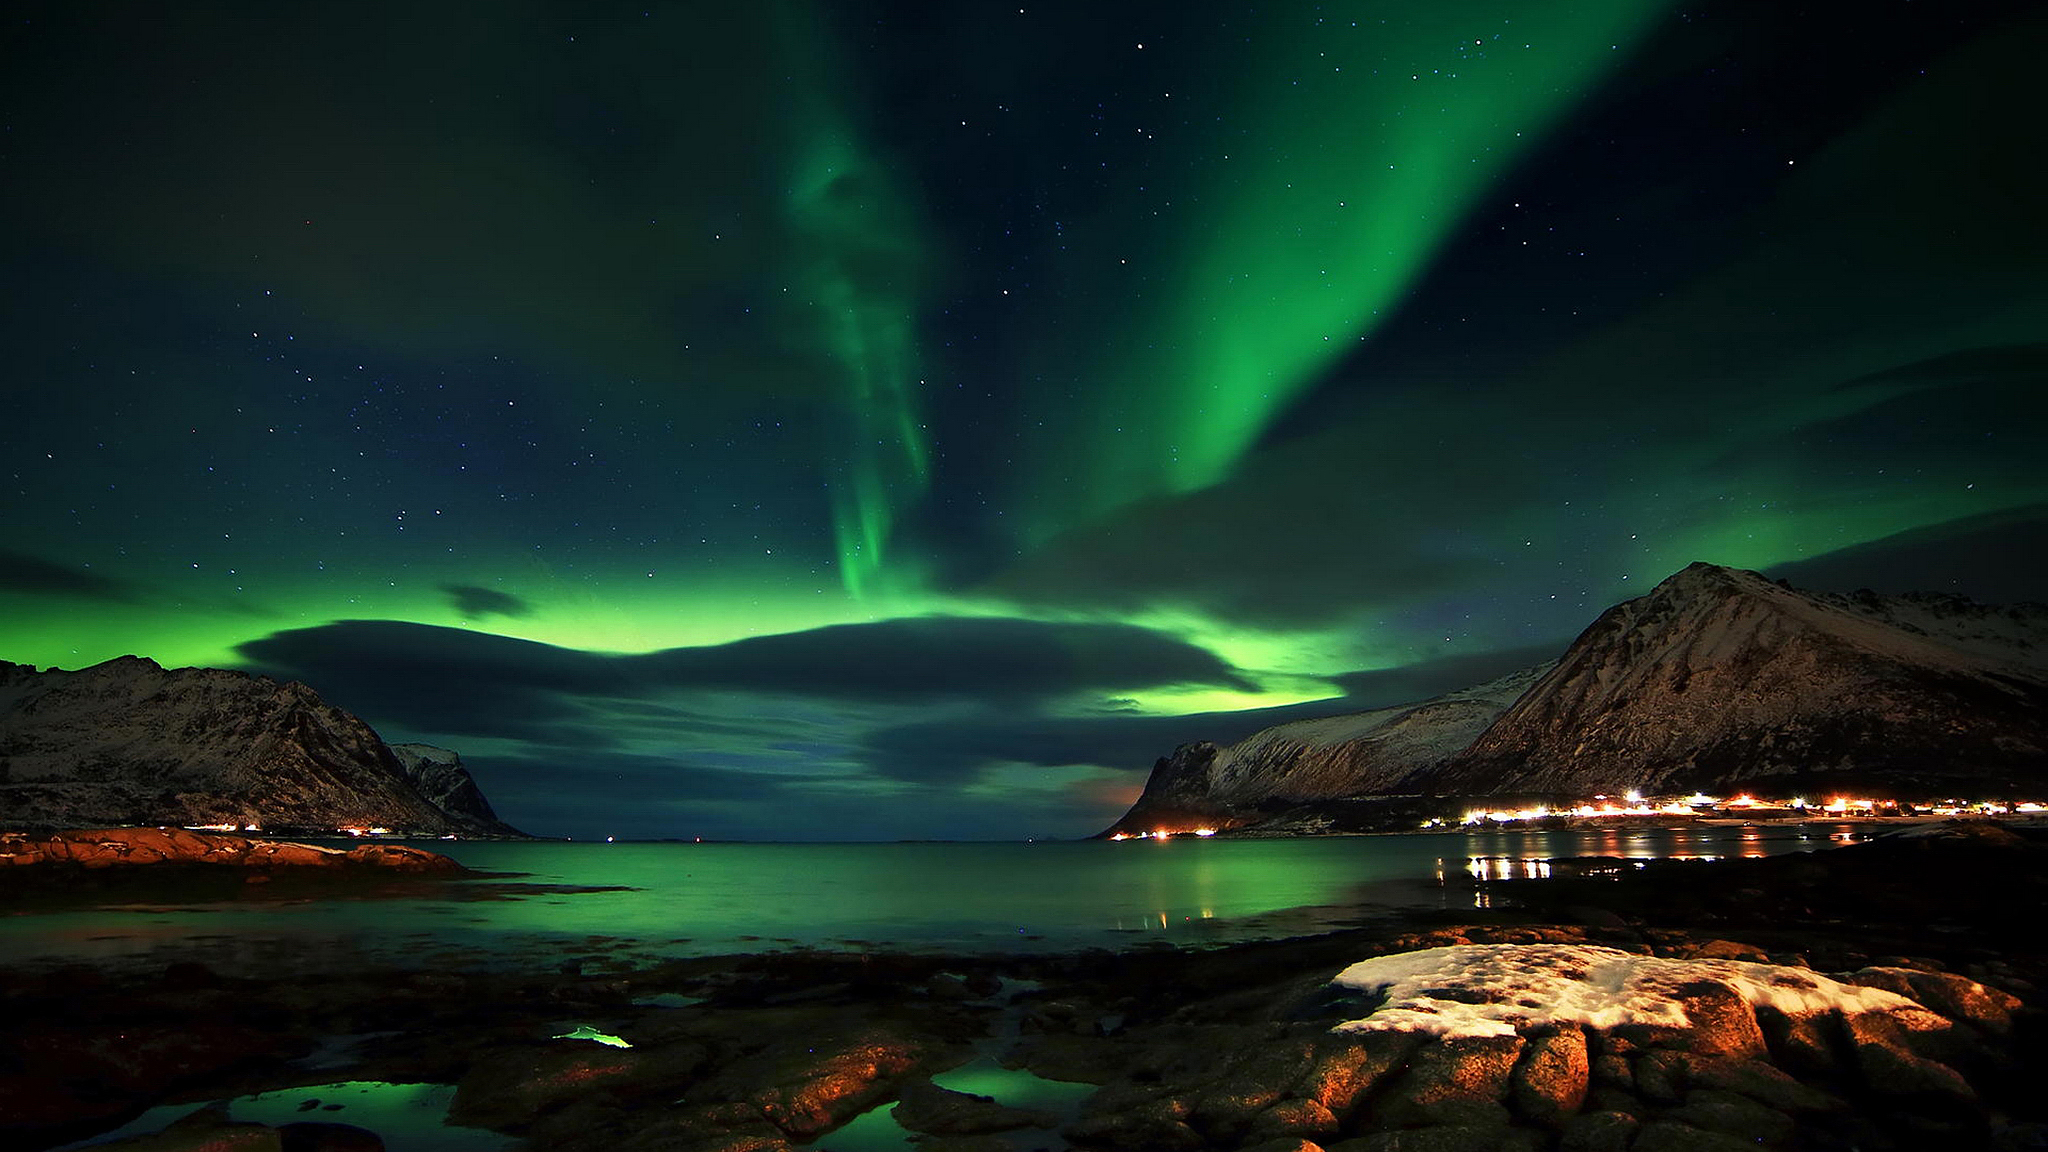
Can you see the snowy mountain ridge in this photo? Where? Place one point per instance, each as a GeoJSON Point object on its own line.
{"type": "Point", "coordinates": [128, 742]}
{"type": "Point", "coordinates": [1719, 678]}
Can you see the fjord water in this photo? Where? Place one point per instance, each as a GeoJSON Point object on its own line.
{"type": "Point", "coordinates": [682, 899]}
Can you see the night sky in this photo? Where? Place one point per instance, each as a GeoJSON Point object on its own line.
{"type": "Point", "coordinates": [872, 420]}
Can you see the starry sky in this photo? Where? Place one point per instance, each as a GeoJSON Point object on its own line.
{"type": "Point", "coordinates": [874, 420]}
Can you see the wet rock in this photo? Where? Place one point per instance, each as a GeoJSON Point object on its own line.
{"type": "Point", "coordinates": [1074, 1059]}
{"type": "Point", "coordinates": [1657, 1075]}
{"type": "Point", "coordinates": [226, 1138]}
{"type": "Point", "coordinates": [808, 1090]}
{"type": "Point", "coordinates": [1955, 997]}
{"type": "Point", "coordinates": [946, 986]}
{"type": "Point", "coordinates": [1445, 1138]}
{"type": "Point", "coordinates": [926, 1107]}
{"type": "Point", "coordinates": [1456, 1081]}
{"type": "Point", "coordinates": [1804, 1043]}
{"type": "Point", "coordinates": [732, 1127]}
{"type": "Point", "coordinates": [1551, 1080]}
{"type": "Point", "coordinates": [1284, 1144]}
{"type": "Point", "coordinates": [145, 1060]}
{"type": "Point", "coordinates": [1605, 1099]}
{"type": "Point", "coordinates": [318, 1137]}
{"type": "Point", "coordinates": [1725, 950]}
{"type": "Point", "coordinates": [203, 1130]}
{"type": "Point", "coordinates": [1598, 1132]}
{"type": "Point", "coordinates": [1224, 1114]}
{"type": "Point", "coordinates": [1612, 1070]}
{"type": "Point", "coordinates": [38, 1110]}
{"type": "Point", "coordinates": [1341, 1077]}
{"type": "Point", "coordinates": [1304, 1119]}
{"type": "Point", "coordinates": [1671, 1136]}
{"type": "Point", "coordinates": [510, 1089]}
{"type": "Point", "coordinates": [1719, 1019]}
{"type": "Point", "coordinates": [1718, 1111]}
{"type": "Point", "coordinates": [1157, 1126]}
{"type": "Point", "coordinates": [1885, 1058]}
{"type": "Point", "coordinates": [1759, 1081]}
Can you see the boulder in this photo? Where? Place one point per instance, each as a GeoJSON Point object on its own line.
{"type": "Point", "coordinates": [1155, 1127]}
{"type": "Point", "coordinates": [1804, 1043]}
{"type": "Point", "coordinates": [1459, 1080]}
{"type": "Point", "coordinates": [1720, 1021]}
{"type": "Point", "coordinates": [510, 1089]}
{"type": "Point", "coordinates": [1345, 1069]}
{"type": "Point", "coordinates": [1956, 997]}
{"type": "Point", "coordinates": [1890, 1067]}
{"type": "Point", "coordinates": [1550, 1082]}
{"type": "Point", "coordinates": [1717, 1111]}
{"type": "Point", "coordinates": [1759, 1081]}
{"type": "Point", "coordinates": [1598, 1132]}
{"type": "Point", "coordinates": [1304, 1119]}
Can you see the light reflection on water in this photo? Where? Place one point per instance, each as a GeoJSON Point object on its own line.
{"type": "Point", "coordinates": [699, 899]}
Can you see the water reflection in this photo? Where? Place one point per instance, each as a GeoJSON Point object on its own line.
{"type": "Point", "coordinates": [1508, 868]}
{"type": "Point", "coordinates": [662, 900]}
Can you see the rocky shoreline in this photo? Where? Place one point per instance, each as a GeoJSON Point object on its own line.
{"type": "Point", "coordinates": [1885, 1015]}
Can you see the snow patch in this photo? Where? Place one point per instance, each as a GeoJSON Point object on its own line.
{"type": "Point", "coordinates": [1494, 989]}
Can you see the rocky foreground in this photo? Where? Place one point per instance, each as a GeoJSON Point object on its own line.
{"type": "Point", "coordinates": [58, 868]}
{"type": "Point", "coordinates": [1601, 1012]}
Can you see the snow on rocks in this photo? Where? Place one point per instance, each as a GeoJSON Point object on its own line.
{"type": "Point", "coordinates": [1501, 989]}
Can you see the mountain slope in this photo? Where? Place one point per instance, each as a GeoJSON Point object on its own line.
{"type": "Point", "coordinates": [1718, 680]}
{"type": "Point", "coordinates": [437, 775]}
{"type": "Point", "coordinates": [1306, 761]}
{"type": "Point", "coordinates": [1722, 679]}
{"type": "Point", "coordinates": [129, 742]}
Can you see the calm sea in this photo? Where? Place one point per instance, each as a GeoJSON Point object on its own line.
{"type": "Point", "coordinates": [703, 899]}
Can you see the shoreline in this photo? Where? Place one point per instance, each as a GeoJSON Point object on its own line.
{"type": "Point", "coordinates": [766, 1050]}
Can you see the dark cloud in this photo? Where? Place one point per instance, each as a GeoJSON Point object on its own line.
{"type": "Point", "coordinates": [961, 748]}
{"type": "Point", "coordinates": [453, 680]}
{"type": "Point", "coordinates": [1997, 558]}
{"type": "Point", "coordinates": [1278, 545]}
{"type": "Point", "coordinates": [21, 572]}
{"type": "Point", "coordinates": [947, 657]}
{"type": "Point", "coordinates": [473, 601]}
{"type": "Point", "coordinates": [1385, 687]}
{"type": "Point", "coordinates": [958, 749]}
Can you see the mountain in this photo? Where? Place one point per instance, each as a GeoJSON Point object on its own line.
{"type": "Point", "coordinates": [1276, 772]}
{"type": "Point", "coordinates": [1724, 680]}
{"type": "Point", "coordinates": [1718, 680]}
{"type": "Point", "coordinates": [130, 742]}
{"type": "Point", "coordinates": [437, 775]}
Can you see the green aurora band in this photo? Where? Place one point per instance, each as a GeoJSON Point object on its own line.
{"type": "Point", "coordinates": [1303, 230]}
{"type": "Point", "coordinates": [857, 257]}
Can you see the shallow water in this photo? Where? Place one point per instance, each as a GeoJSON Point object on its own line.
{"type": "Point", "coordinates": [407, 1116]}
{"type": "Point", "coordinates": [684, 899]}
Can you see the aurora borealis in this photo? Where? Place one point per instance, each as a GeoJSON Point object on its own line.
{"type": "Point", "coordinates": [883, 420]}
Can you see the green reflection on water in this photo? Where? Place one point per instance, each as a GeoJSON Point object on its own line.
{"type": "Point", "coordinates": [408, 1116]}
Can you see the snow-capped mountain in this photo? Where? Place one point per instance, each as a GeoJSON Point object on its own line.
{"type": "Point", "coordinates": [1284, 767]}
{"type": "Point", "coordinates": [1719, 679]}
{"type": "Point", "coordinates": [1723, 679]}
{"type": "Point", "coordinates": [130, 742]}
